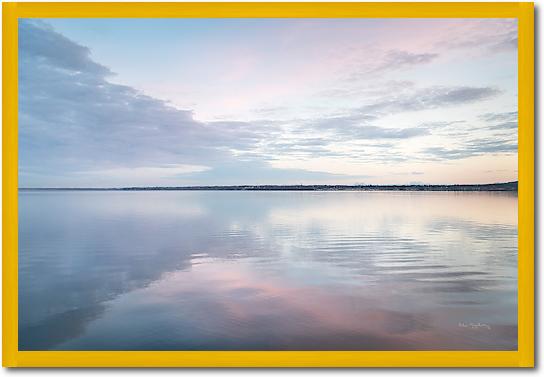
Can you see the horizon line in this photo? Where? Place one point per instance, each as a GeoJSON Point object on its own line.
{"type": "Point", "coordinates": [290, 187]}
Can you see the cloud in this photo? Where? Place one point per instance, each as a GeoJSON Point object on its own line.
{"type": "Point", "coordinates": [430, 98]}
{"type": "Point", "coordinates": [501, 121]}
{"type": "Point", "coordinates": [488, 36]}
{"type": "Point", "coordinates": [44, 49]}
{"type": "Point", "coordinates": [435, 40]}
{"type": "Point", "coordinates": [505, 126]}
{"type": "Point", "coordinates": [76, 127]}
{"type": "Point", "coordinates": [373, 132]}
{"type": "Point", "coordinates": [71, 119]}
{"type": "Point", "coordinates": [358, 122]}
{"type": "Point", "coordinates": [473, 148]}
{"type": "Point", "coordinates": [505, 116]}
{"type": "Point", "coordinates": [75, 123]}
{"type": "Point", "coordinates": [400, 59]}
{"type": "Point", "coordinates": [500, 117]}
{"type": "Point", "coordinates": [391, 60]}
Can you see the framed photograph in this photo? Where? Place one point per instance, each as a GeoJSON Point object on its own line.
{"type": "Point", "coordinates": [268, 185]}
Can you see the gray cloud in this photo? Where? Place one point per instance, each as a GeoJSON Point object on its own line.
{"type": "Point", "coordinates": [503, 37]}
{"type": "Point", "coordinates": [389, 61]}
{"type": "Point", "coordinates": [398, 59]}
{"type": "Point", "coordinates": [358, 123]}
{"type": "Point", "coordinates": [72, 120]}
{"type": "Point", "coordinates": [508, 42]}
{"type": "Point", "coordinates": [501, 121]}
{"type": "Point", "coordinates": [354, 126]}
{"type": "Point", "coordinates": [500, 117]}
{"type": "Point", "coordinates": [505, 126]}
{"type": "Point", "coordinates": [430, 98]}
{"type": "Point", "coordinates": [44, 49]}
{"type": "Point", "coordinates": [370, 132]}
{"type": "Point", "coordinates": [473, 148]}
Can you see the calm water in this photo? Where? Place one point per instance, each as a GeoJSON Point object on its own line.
{"type": "Point", "coordinates": [267, 270]}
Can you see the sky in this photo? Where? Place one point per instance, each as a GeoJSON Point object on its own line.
{"type": "Point", "coordinates": [177, 102]}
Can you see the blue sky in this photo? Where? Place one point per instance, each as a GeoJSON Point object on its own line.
{"type": "Point", "coordinates": [129, 102]}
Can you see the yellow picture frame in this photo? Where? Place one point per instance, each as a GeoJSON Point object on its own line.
{"type": "Point", "coordinates": [523, 357]}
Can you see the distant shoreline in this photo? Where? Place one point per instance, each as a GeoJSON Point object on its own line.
{"type": "Point", "coordinates": [507, 186]}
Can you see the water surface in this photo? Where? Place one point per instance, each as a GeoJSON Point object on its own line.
{"type": "Point", "coordinates": [216, 270]}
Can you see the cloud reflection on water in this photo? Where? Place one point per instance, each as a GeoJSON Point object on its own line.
{"type": "Point", "coordinates": [235, 270]}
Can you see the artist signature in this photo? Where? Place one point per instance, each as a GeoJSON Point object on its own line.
{"type": "Point", "coordinates": [475, 326]}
